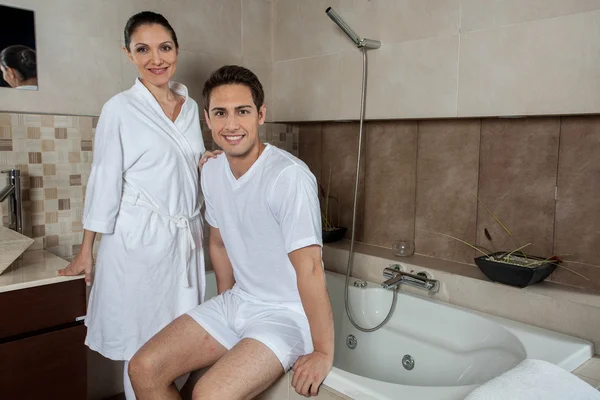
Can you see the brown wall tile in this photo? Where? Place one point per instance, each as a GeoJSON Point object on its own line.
{"type": "Point", "coordinates": [6, 145]}
{"type": "Point", "coordinates": [74, 157]}
{"type": "Point", "coordinates": [310, 147]}
{"type": "Point", "coordinates": [49, 169]}
{"type": "Point", "coordinates": [75, 180]}
{"type": "Point", "coordinates": [51, 193]}
{"type": "Point", "coordinates": [578, 207]}
{"type": "Point", "coordinates": [36, 182]}
{"type": "Point", "coordinates": [37, 206]}
{"type": "Point", "coordinates": [86, 145]}
{"type": "Point", "coordinates": [340, 147]}
{"type": "Point", "coordinates": [48, 121]}
{"type": "Point", "coordinates": [76, 249]}
{"type": "Point", "coordinates": [33, 132]}
{"type": "Point", "coordinates": [35, 158]}
{"type": "Point", "coordinates": [5, 119]}
{"type": "Point", "coordinates": [60, 133]}
{"type": "Point", "coordinates": [48, 145]}
{"type": "Point", "coordinates": [5, 132]}
{"type": "Point", "coordinates": [51, 240]}
{"type": "Point", "coordinates": [519, 160]}
{"type": "Point", "coordinates": [447, 171]}
{"type": "Point", "coordinates": [64, 204]}
{"type": "Point", "coordinates": [38, 230]}
{"type": "Point", "coordinates": [390, 182]}
{"type": "Point", "coordinates": [77, 226]}
{"type": "Point", "coordinates": [52, 217]}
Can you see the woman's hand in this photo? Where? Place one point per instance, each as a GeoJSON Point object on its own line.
{"type": "Point", "coordinates": [81, 264]}
{"type": "Point", "coordinates": [208, 155]}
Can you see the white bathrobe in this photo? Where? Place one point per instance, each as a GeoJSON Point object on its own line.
{"type": "Point", "coordinates": [143, 196]}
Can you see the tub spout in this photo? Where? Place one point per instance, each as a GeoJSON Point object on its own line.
{"type": "Point", "coordinates": [395, 277]}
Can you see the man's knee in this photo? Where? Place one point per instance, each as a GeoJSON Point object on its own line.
{"type": "Point", "coordinates": [143, 370]}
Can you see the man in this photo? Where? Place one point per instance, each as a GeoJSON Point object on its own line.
{"type": "Point", "coordinates": [273, 311]}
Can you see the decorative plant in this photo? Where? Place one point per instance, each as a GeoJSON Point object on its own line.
{"type": "Point", "coordinates": [327, 203]}
{"type": "Point", "coordinates": [516, 256]}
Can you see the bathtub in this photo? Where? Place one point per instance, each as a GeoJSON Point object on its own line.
{"type": "Point", "coordinates": [451, 350]}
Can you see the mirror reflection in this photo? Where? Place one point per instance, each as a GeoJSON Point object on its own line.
{"type": "Point", "coordinates": [18, 60]}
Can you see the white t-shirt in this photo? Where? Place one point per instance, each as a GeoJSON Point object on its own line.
{"type": "Point", "coordinates": [270, 211]}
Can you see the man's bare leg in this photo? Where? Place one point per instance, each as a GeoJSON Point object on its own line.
{"type": "Point", "coordinates": [247, 370]}
{"type": "Point", "coordinates": [181, 347]}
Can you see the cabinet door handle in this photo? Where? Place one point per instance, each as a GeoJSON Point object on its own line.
{"type": "Point", "coordinates": [80, 318]}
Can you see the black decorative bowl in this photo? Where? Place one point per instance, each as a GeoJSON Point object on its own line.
{"type": "Point", "coordinates": [333, 235]}
{"type": "Point", "coordinates": [516, 275]}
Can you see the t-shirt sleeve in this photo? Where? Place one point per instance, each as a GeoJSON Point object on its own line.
{"type": "Point", "coordinates": [294, 202]}
{"type": "Point", "coordinates": [209, 211]}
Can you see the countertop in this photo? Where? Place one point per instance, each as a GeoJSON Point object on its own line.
{"type": "Point", "coordinates": [36, 268]}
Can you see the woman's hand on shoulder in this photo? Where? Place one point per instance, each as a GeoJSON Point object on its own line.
{"type": "Point", "coordinates": [207, 156]}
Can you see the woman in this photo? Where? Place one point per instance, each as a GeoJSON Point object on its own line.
{"type": "Point", "coordinates": [18, 67]}
{"type": "Point", "coordinates": [143, 197]}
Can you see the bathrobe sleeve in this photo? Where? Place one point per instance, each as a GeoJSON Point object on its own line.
{"type": "Point", "coordinates": [103, 193]}
{"type": "Point", "coordinates": [294, 202]}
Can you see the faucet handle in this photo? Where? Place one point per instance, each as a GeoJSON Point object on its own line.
{"type": "Point", "coordinates": [397, 267]}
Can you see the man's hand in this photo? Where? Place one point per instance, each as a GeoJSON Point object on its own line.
{"type": "Point", "coordinates": [310, 371]}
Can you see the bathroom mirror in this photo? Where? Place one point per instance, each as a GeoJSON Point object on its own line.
{"type": "Point", "coordinates": [18, 60]}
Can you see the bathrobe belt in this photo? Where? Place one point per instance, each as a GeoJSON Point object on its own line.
{"type": "Point", "coordinates": [188, 244]}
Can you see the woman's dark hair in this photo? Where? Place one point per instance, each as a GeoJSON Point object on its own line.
{"type": "Point", "coordinates": [21, 59]}
{"type": "Point", "coordinates": [234, 75]}
{"type": "Point", "coordinates": [147, 18]}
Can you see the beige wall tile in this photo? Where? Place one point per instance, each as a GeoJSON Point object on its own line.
{"type": "Point", "coordinates": [390, 182]}
{"type": "Point", "coordinates": [98, 19]}
{"type": "Point", "coordinates": [519, 160]}
{"type": "Point", "coordinates": [544, 67]}
{"type": "Point", "coordinates": [208, 26]}
{"type": "Point", "coordinates": [577, 208]}
{"type": "Point", "coordinates": [302, 29]}
{"type": "Point", "coordinates": [484, 14]}
{"type": "Point", "coordinates": [264, 72]}
{"type": "Point", "coordinates": [402, 20]}
{"type": "Point", "coordinates": [257, 30]}
{"type": "Point", "coordinates": [362, 17]}
{"type": "Point", "coordinates": [413, 79]}
{"type": "Point", "coordinates": [447, 173]}
{"type": "Point", "coordinates": [307, 89]}
{"type": "Point", "coordinates": [350, 86]}
{"type": "Point", "coordinates": [128, 8]}
{"type": "Point", "coordinates": [194, 68]}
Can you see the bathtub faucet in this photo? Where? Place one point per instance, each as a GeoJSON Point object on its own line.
{"type": "Point", "coordinates": [395, 276]}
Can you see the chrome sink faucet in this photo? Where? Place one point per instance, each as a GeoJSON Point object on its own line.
{"type": "Point", "coordinates": [395, 276]}
{"type": "Point", "coordinates": [12, 192]}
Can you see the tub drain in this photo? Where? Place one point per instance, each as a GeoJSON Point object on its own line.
{"type": "Point", "coordinates": [408, 362]}
{"type": "Point", "coordinates": [351, 341]}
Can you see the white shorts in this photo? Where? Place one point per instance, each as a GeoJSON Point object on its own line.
{"type": "Point", "coordinates": [235, 315]}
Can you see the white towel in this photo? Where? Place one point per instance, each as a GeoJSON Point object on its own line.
{"type": "Point", "coordinates": [535, 380]}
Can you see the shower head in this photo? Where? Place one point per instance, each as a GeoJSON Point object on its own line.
{"type": "Point", "coordinates": [366, 43]}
